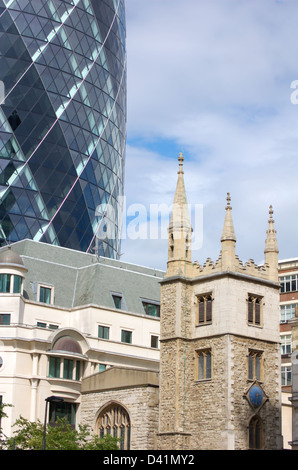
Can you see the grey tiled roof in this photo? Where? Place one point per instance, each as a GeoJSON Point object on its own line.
{"type": "Point", "coordinates": [80, 279]}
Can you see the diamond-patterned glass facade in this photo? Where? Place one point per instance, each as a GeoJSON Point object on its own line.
{"type": "Point", "coordinates": [62, 122]}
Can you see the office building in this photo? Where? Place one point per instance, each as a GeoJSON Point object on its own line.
{"type": "Point", "coordinates": [68, 317]}
{"type": "Point", "coordinates": [63, 122]}
{"type": "Point", "coordinates": [288, 278]}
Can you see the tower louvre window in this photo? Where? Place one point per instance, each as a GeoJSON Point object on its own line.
{"type": "Point", "coordinates": [204, 310]}
{"type": "Point", "coordinates": [254, 310]}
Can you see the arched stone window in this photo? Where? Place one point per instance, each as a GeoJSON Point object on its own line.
{"type": "Point", "coordinates": [255, 433]}
{"type": "Point", "coordinates": [114, 420]}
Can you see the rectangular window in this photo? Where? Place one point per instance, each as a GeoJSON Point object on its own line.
{"type": "Point", "coordinates": [5, 283]}
{"type": "Point", "coordinates": [254, 310]}
{"type": "Point", "coordinates": [62, 410]}
{"type": "Point", "coordinates": [287, 312]}
{"type": "Point", "coordinates": [289, 283]}
{"type": "Point", "coordinates": [204, 366]}
{"type": "Point", "coordinates": [4, 319]}
{"type": "Point", "coordinates": [286, 375]}
{"type": "Point", "coordinates": [103, 332]}
{"type": "Point", "coordinates": [126, 336]}
{"type": "Point", "coordinates": [41, 324]}
{"type": "Point", "coordinates": [102, 367]}
{"type": "Point", "coordinates": [151, 309]}
{"type": "Point", "coordinates": [68, 369]}
{"type": "Point", "coordinates": [204, 309]}
{"type": "Point", "coordinates": [117, 301]}
{"type": "Point", "coordinates": [286, 344]}
{"type": "Point", "coordinates": [78, 370]}
{"type": "Point", "coordinates": [17, 284]}
{"type": "Point", "coordinates": [54, 367]}
{"type": "Point", "coordinates": [45, 294]}
{"type": "Point", "coordinates": [154, 341]}
{"type": "Point", "coordinates": [255, 365]}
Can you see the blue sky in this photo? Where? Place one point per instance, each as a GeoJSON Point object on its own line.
{"type": "Point", "coordinates": [212, 79]}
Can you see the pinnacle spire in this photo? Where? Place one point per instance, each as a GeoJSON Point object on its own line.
{"type": "Point", "coordinates": [271, 241]}
{"type": "Point", "coordinates": [180, 194]}
{"type": "Point", "coordinates": [228, 232]}
{"type": "Point", "coordinates": [180, 229]}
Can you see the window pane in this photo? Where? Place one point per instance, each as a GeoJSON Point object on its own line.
{"type": "Point", "coordinates": [201, 366]}
{"type": "Point", "coordinates": [126, 336]}
{"type": "Point", "coordinates": [45, 295]}
{"type": "Point", "coordinates": [258, 366]}
{"type": "Point", "coordinates": [250, 367]}
{"type": "Point", "coordinates": [250, 311]}
{"type": "Point", "coordinates": [54, 369]}
{"type": "Point", "coordinates": [154, 341]}
{"type": "Point", "coordinates": [17, 282]}
{"type": "Point", "coordinates": [103, 332]}
{"type": "Point", "coordinates": [78, 370]}
{"type": "Point", "coordinates": [117, 301]}
{"type": "Point", "coordinates": [4, 319]}
{"type": "Point", "coordinates": [67, 369]}
{"type": "Point", "coordinates": [4, 282]}
{"type": "Point", "coordinates": [201, 311]}
{"type": "Point", "coordinates": [151, 309]}
{"type": "Point", "coordinates": [208, 365]}
{"type": "Point", "coordinates": [209, 310]}
{"type": "Point", "coordinates": [257, 313]}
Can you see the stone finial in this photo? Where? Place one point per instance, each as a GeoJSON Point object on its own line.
{"type": "Point", "coordinates": [228, 201]}
{"type": "Point", "coordinates": [180, 160]}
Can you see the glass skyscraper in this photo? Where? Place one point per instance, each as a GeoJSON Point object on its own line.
{"type": "Point", "coordinates": [63, 122]}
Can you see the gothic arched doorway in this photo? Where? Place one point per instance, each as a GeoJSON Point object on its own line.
{"type": "Point", "coordinates": [114, 420]}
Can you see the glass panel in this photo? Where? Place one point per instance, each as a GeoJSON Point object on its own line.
{"type": "Point", "coordinates": [4, 282]}
{"type": "Point", "coordinates": [201, 311]}
{"type": "Point", "coordinates": [250, 311]}
{"type": "Point", "coordinates": [126, 336]}
{"type": "Point", "coordinates": [54, 367]}
{"type": "Point", "coordinates": [78, 370]}
{"type": "Point", "coordinates": [208, 365]}
{"type": "Point", "coordinates": [257, 312]}
{"type": "Point", "coordinates": [103, 332]}
{"type": "Point", "coordinates": [17, 283]}
{"type": "Point", "coordinates": [250, 367]}
{"type": "Point", "coordinates": [258, 367]}
{"type": "Point", "coordinates": [201, 366]}
{"type": "Point", "coordinates": [68, 369]}
{"type": "Point", "coordinates": [45, 295]}
{"type": "Point", "coordinates": [209, 310]}
{"type": "Point", "coordinates": [5, 319]}
{"type": "Point", "coordinates": [117, 301]}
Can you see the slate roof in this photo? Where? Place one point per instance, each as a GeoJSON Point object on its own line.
{"type": "Point", "coordinates": [80, 279]}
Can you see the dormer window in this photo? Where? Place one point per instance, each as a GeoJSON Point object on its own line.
{"type": "Point", "coordinates": [45, 294]}
{"type": "Point", "coordinates": [151, 309]}
{"type": "Point", "coordinates": [117, 301]}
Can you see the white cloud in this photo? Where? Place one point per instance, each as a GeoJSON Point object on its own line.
{"type": "Point", "coordinates": [212, 79]}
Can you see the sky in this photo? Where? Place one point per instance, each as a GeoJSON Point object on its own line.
{"type": "Point", "coordinates": [211, 79]}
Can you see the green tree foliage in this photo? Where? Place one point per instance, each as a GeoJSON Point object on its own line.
{"type": "Point", "coordinates": [62, 436]}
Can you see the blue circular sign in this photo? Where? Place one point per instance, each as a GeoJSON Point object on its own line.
{"type": "Point", "coordinates": [255, 396]}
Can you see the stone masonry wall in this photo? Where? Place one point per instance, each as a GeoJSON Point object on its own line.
{"type": "Point", "coordinates": [142, 406]}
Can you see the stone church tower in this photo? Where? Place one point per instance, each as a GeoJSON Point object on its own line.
{"type": "Point", "coordinates": [220, 353]}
